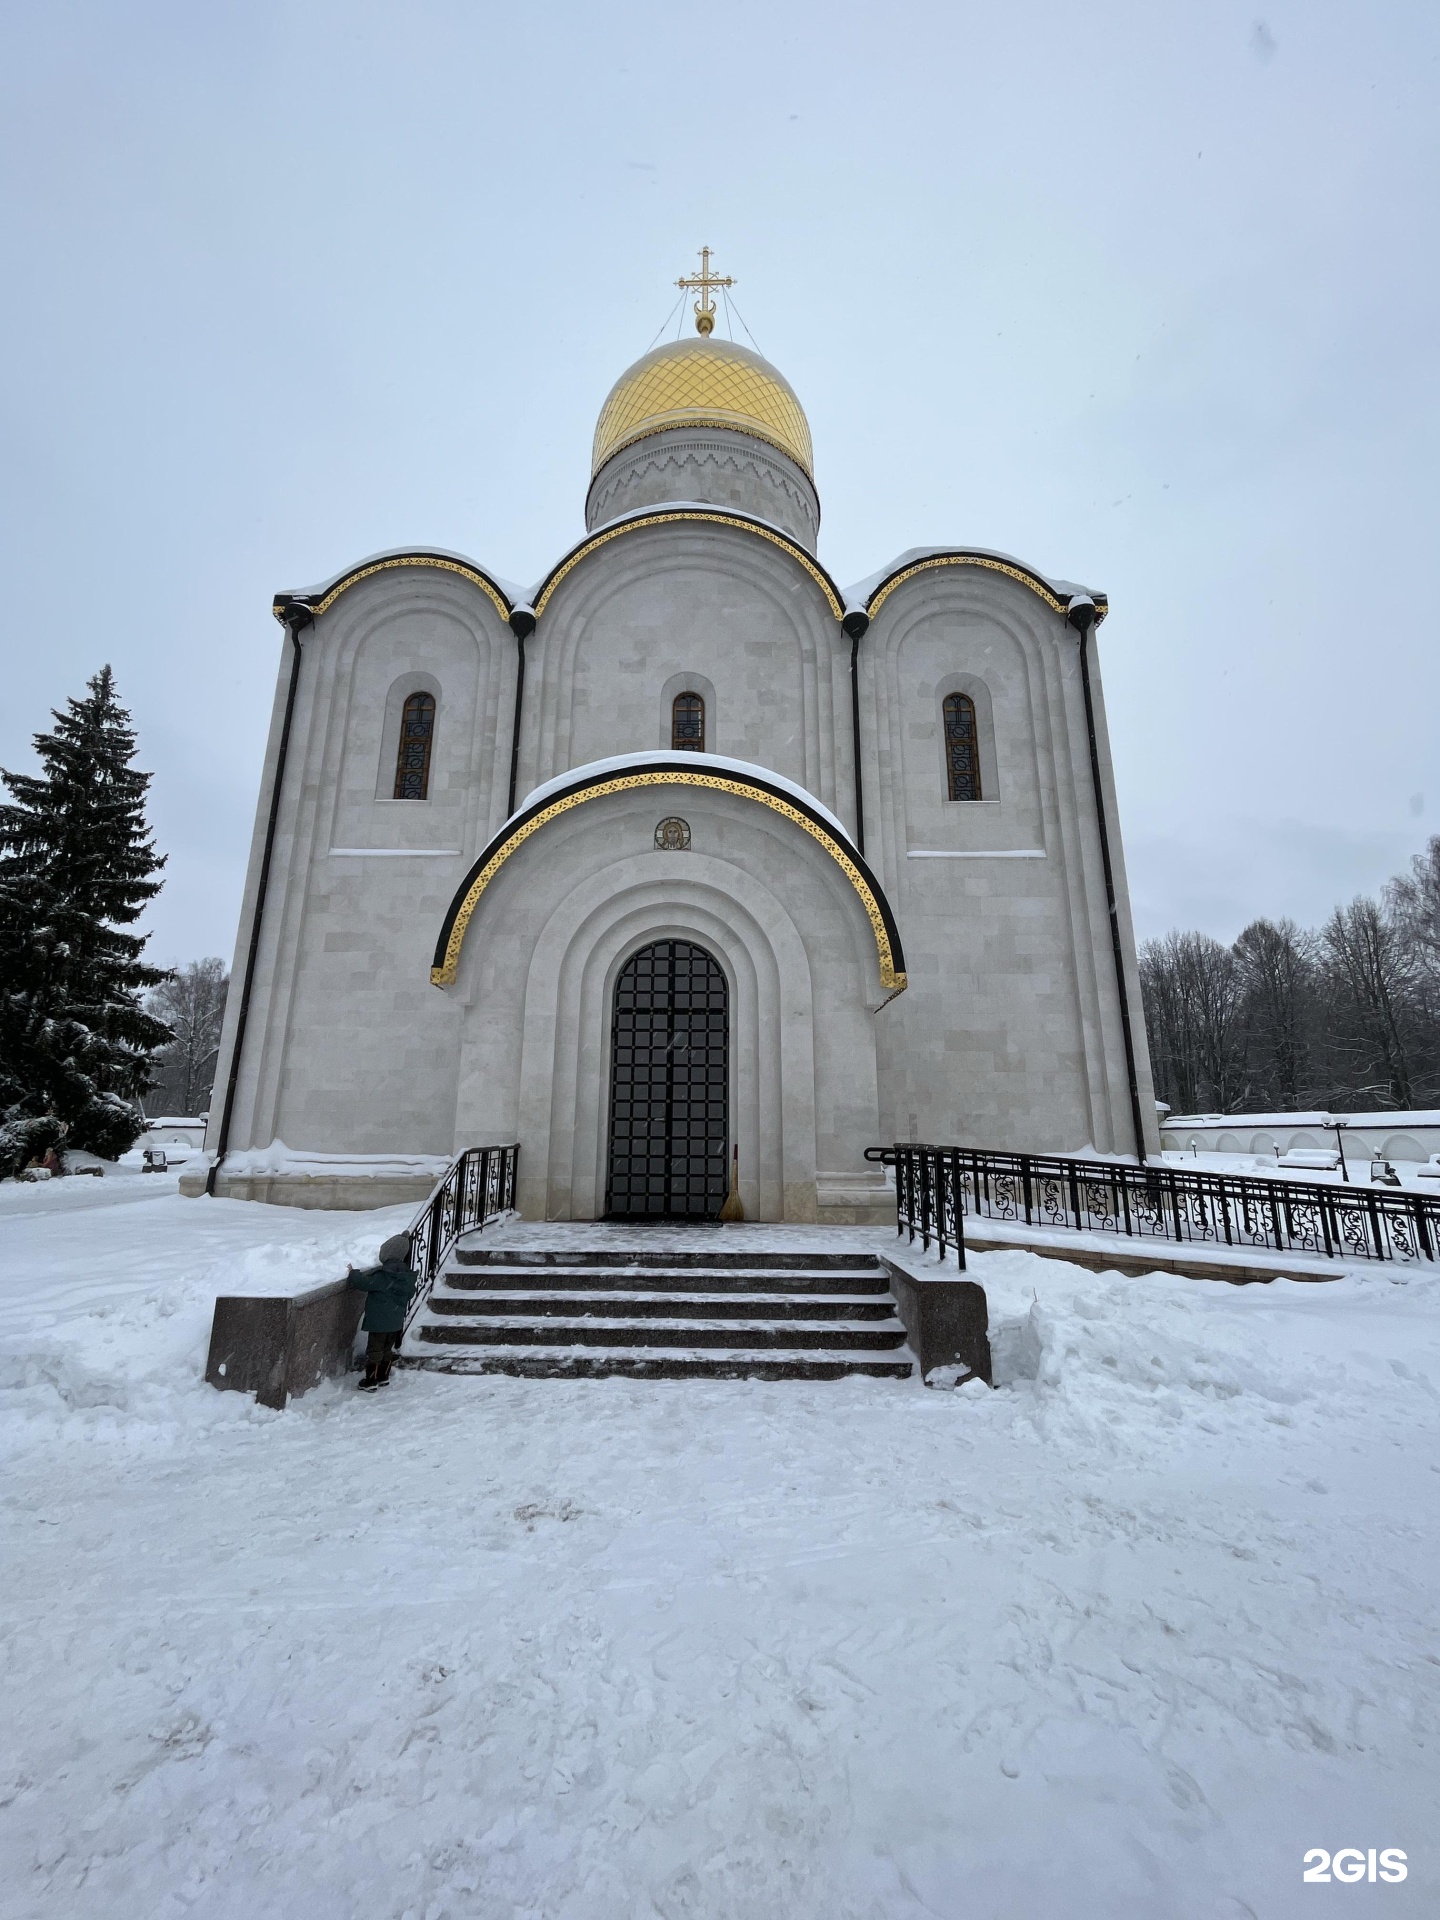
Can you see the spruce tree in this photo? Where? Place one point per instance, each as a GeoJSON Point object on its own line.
{"type": "Point", "coordinates": [76, 862]}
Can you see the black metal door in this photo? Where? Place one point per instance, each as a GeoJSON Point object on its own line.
{"type": "Point", "coordinates": [669, 1086]}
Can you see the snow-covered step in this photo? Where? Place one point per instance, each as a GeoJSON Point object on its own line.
{"type": "Point", "coordinates": [695, 1306]}
{"type": "Point", "coordinates": [508, 1277]}
{"type": "Point", "coordinates": [500, 1331]}
{"type": "Point", "coordinates": [665, 1312]}
{"type": "Point", "coordinates": [648, 1363]}
{"type": "Point", "coordinates": [630, 1255]}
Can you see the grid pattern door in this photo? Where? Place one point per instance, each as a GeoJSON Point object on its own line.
{"type": "Point", "coordinates": [669, 1086]}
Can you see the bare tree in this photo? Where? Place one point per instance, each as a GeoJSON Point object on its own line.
{"type": "Point", "coordinates": [192, 1005]}
{"type": "Point", "coordinates": [1372, 974]}
{"type": "Point", "coordinates": [1277, 980]}
{"type": "Point", "coordinates": [1192, 992]}
{"type": "Point", "coordinates": [1347, 1018]}
{"type": "Point", "coordinates": [1412, 901]}
{"type": "Point", "coordinates": [1171, 1057]}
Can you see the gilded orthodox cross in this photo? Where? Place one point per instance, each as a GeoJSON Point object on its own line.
{"type": "Point", "coordinates": [704, 281]}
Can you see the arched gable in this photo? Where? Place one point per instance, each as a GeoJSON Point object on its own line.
{"type": "Point", "coordinates": [318, 600]}
{"type": "Point", "coordinates": [633, 771]}
{"type": "Point", "coordinates": [1055, 594]}
{"type": "Point", "coordinates": [971, 631]}
{"type": "Point", "coordinates": [671, 516]}
{"type": "Point", "coordinates": [398, 632]}
{"type": "Point", "coordinates": [688, 591]}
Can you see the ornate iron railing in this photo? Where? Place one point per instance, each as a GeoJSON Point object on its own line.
{"type": "Point", "coordinates": [935, 1187]}
{"type": "Point", "coordinates": [479, 1185]}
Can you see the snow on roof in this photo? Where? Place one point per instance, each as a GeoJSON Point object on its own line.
{"type": "Point", "coordinates": [858, 597]}
{"type": "Point", "coordinates": [855, 598]}
{"type": "Point", "coordinates": [620, 762]}
{"type": "Point", "coordinates": [688, 506]}
{"type": "Point", "coordinates": [508, 587]}
{"type": "Point", "coordinates": [667, 506]}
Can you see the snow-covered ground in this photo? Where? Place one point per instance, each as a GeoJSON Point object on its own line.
{"type": "Point", "coordinates": [1123, 1639]}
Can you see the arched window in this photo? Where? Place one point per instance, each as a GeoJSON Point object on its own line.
{"type": "Point", "coordinates": [687, 723]}
{"type": "Point", "coordinates": [962, 747]}
{"type": "Point", "coordinates": [412, 759]}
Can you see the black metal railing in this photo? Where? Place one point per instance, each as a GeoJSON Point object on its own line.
{"type": "Point", "coordinates": [478, 1186]}
{"type": "Point", "coordinates": [935, 1187]}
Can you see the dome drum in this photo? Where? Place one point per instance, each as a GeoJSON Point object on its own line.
{"type": "Point", "coordinates": [719, 466]}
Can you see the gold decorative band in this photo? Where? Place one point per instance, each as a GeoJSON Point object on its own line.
{"type": "Point", "coordinates": [445, 975]}
{"type": "Point", "coordinates": [416, 560]}
{"type": "Point", "coordinates": [1055, 604]}
{"type": "Point", "coordinates": [821, 579]}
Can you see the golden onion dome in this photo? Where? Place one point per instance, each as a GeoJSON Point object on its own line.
{"type": "Point", "coordinates": [703, 383]}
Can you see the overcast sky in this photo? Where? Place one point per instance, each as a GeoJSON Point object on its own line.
{"type": "Point", "coordinates": [1145, 295]}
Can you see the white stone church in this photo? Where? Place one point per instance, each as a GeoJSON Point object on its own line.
{"type": "Point", "coordinates": [688, 858]}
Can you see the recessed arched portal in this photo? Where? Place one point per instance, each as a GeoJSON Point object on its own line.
{"type": "Point", "coordinates": [669, 1085]}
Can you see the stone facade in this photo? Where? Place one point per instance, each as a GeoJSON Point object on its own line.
{"type": "Point", "coordinates": [1007, 1033]}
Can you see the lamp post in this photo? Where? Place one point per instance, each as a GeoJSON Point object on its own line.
{"type": "Point", "coordinates": [1334, 1126]}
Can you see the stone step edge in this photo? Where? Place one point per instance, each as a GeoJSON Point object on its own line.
{"type": "Point", "coordinates": [657, 1324]}
{"type": "Point", "coordinates": [771, 1297]}
{"type": "Point", "coordinates": [632, 1339]}
{"type": "Point", "coordinates": [699, 1313]}
{"type": "Point", "coordinates": [727, 1260]}
{"type": "Point", "coordinates": [892, 1359]}
{"type": "Point", "coordinates": [655, 1280]}
{"type": "Point", "coordinates": [649, 1267]}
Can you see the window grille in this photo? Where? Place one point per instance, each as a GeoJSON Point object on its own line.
{"type": "Point", "coordinates": [687, 723]}
{"type": "Point", "coordinates": [962, 747]}
{"type": "Point", "coordinates": [412, 760]}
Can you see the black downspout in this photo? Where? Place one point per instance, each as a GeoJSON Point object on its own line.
{"type": "Point", "coordinates": [522, 625]}
{"type": "Point", "coordinates": [295, 618]}
{"type": "Point", "coordinates": [1081, 615]}
{"type": "Point", "coordinates": [855, 624]}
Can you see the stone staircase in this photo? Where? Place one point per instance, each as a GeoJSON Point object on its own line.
{"type": "Point", "coordinates": [664, 1312]}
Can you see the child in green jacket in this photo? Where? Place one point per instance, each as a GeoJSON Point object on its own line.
{"type": "Point", "coordinates": [391, 1287]}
